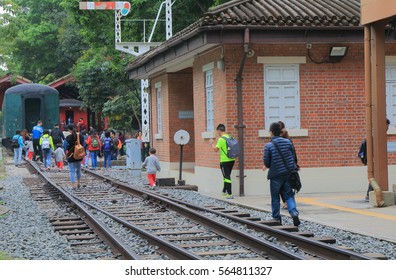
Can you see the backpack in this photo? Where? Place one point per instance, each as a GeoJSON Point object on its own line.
{"type": "Point", "coordinates": [108, 144]}
{"type": "Point", "coordinates": [79, 151]}
{"type": "Point", "coordinates": [119, 145]}
{"type": "Point", "coordinates": [45, 144]}
{"type": "Point", "coordinates": [95, 142]}
{"type": "Point", "coordinates": [233, 150]}
{"type": "Point", "coordinates": [362, 154]}
{"type": "Point", "coordinates": [55, 134]}
{"type": "Point", "coordinates": [15, 143]}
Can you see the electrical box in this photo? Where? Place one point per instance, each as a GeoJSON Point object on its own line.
{"type": "Point", "coordinates": [133, 154]}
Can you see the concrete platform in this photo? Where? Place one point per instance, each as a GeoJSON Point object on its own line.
{"type": "Point", "coordinates": [346, 211]}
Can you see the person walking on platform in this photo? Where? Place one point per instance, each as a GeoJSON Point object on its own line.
{"type": "Point", "coordinates": [279, 174]}
{"type": "Point", "coordinates": [226, 163]}
{"type": "Point", "coordinates": [37, 133]}
{"type": "Point", "coordinates": [285, 134]}
{"type": "Point", "coordinates": [17, 144]}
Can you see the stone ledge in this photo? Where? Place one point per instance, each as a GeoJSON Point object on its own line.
{"type": "Point", "coordinates": [208, 135]}
{"type": "Point", "coordinates": [158, 137]}
{"type": "Point", "coordinates": [292, 133]}
{"type": "Point", "coordinates": [389, 198]}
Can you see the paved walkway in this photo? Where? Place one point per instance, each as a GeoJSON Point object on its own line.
{"type": "Point", "coordinates": [347, 211]}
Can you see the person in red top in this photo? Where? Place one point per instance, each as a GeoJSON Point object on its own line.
{"type": "Point", "coordinates": [94, 147]}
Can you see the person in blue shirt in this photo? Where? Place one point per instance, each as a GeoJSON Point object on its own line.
{"type": "Point", "coordinates": [279, 174]}
{"type": "Point", "coordinates": [17, 145]}
{"type": "Point", "coordinates": [37, 133]}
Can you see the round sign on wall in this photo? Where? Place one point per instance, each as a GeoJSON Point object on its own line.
{"type": "Point", "coordinates": [181, 137]}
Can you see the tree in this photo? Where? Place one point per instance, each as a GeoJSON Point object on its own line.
{"type": "Point", "coordinates": [41, 44]}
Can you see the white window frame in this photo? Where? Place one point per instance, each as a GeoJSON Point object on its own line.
{"type": "Point", "coordinates": [266, 97]}
{"type": "Point", "coordinates": [209, 93]}
{"type": "Point", "coordinates": [390, 112]}
{"type": "Point", "coordinates": [159, 109]}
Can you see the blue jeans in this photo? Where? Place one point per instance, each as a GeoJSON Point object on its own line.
{"type": "Point", "coordinates": [282, 185]}
{"type": "Point", "coordinates": [18, 155]}
{"type": "Point", "coordinates": [46, 158]}
{"type": "Point", "coordinates": [87, 155]}
{"type": "Point", "coordinates": [75, 169]}
{"type": "Point", "coordinates": [107, 159]}
{"type": "Point", "coordinates": [94, 158]}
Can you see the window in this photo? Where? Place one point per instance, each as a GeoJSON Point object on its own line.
{"type": "Point", "coordinates": [282, 97]}
{"type": "Point", "coordinates": [159, 110]}
{"type": "Point", "coordinates": [209, 101]}
{"type": "Point", "coordinates": [391, 93]}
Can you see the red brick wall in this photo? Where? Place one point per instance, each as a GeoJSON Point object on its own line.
{"type": "Point", "coordinates": [181, 99]}
{"type": "Point", "coordinates": [204, 155]}
{"type": "Point", "coordinates": [331, 105]}
{"type": "Point", "coordinates": [176, 96]}
{"type": "Point", "coordinates": [161, 145]}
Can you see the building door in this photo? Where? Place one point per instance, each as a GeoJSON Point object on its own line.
{"type": "Point", "coordinates": [69, 117]}
{"type": "Point", "coordinates": [282, 99]}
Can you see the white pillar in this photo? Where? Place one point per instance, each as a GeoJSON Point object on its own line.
{"type": "Point", "coordinates": [145, 111]}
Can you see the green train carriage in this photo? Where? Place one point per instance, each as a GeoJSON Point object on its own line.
{"type": "Point", "coordinates": [24, 105]}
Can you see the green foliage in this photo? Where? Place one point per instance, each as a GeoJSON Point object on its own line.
{"type": "Point", "coordinates": [43, 40]}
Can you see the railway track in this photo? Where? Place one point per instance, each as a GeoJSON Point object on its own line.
{"type": "Point", "coordinates": [180, 230]}
{"type": "Point", "coordinates": [314, 247]}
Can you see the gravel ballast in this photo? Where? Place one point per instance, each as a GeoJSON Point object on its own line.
{"type": "Point", "coordinates": [360, 243]}
{"type": "Point", "coordinates": [25, 232]}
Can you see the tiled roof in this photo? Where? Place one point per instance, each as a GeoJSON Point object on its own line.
{"type": "Point", "coordinates": [267, 14]}
{"type": "Point", "coordinates": [292, 13]}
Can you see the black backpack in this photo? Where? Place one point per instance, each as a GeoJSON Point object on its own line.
{"type": "Point", "coordinates": [14, 143]}
{"type": "Point", "coordinates": [362, 154]}
{"type": "Point", "coordinates": [55, 134]}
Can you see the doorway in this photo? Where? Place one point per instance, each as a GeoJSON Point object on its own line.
{"type": "Point", "coordinates": [32, 112]}
{"type": "Point", "coordinates": [69, 117]}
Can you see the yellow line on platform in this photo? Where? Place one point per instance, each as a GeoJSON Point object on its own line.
{"type": "Point", "coordinates": [313, 201]}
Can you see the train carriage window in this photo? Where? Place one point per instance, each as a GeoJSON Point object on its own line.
{"type": "Point", "coordinates": [32, 112]}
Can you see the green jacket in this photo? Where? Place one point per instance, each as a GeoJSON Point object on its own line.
{"type": "Point", "coordinates": [50, 140]}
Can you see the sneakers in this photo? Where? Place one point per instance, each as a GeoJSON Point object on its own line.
{"type": "Point", "coordinates": [229, 196]}
{"type": "Point", "coordinates": [367, 199]}
{"type": "Point", "coordinates": [152, 187]}
{"type": "Point", "coordinates": [223, 195]}
{"type": "Point", "coordinates": [296, 221]}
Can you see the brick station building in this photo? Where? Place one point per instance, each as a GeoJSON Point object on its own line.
{"type": "Point", "coordinates": [289, 76]}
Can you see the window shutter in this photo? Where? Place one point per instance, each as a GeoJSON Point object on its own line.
{"type": "Point", "coordinates": [282, 98]}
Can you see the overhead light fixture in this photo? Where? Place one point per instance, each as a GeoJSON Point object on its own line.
{"type": "Point", "coordinates": [337, 53]}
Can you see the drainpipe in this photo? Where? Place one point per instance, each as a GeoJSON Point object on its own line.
{"type": "Point", "coordinates": [369, 118]}
{"type": "Point", "coordinates": [240, 126]}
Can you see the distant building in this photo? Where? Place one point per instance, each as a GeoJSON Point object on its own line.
{"type": "Point", "coordinates": [8, 81]}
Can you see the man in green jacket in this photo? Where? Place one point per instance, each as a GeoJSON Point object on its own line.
{"type": "Point", "coordinates": [226, 163]}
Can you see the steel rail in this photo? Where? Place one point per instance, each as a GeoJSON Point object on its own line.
{"type": "Point", "coordinates": [112, 240]}
{"type": "Point", "coordinates": [108, 237]}
{"type": "Point", "coordinates": [309, 245]}
{"type": "Point", "coordinates": [250, 241]}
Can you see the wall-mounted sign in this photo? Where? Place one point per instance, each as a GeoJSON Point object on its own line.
{"type": "Point", "coordinates": [186, 115]}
